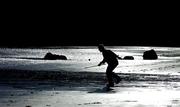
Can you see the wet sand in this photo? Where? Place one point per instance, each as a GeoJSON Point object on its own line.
{"type": "Point", "coordinates": [53, 76]}
{"type": "Point", "coordinates": [26, 80]}
{"type": "Point", "coordinates": [73, 94]}
{"type": "Point", "coordinates": [85, 89]}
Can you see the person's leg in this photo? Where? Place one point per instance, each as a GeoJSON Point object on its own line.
{"type": "Point", "coordinates": [110, 74]}
{"type": "Point", "coordinates": [114, 75]}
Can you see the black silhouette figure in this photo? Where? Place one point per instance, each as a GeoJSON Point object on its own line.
{"type": "Point", "coordinates": [112, 60]}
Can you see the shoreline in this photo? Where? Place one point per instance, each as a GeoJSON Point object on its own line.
{"type": "Point", "coordinates": [32, 75]}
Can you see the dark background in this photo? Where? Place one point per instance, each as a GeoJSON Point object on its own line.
{"type": "Point", "coordinates": [36, 25]}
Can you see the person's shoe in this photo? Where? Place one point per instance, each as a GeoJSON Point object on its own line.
{"type": "Point", "coordinates": [107, 88]}
{"type": "Point", "coordinates": [110, 85]}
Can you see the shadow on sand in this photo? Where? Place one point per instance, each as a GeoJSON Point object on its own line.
{"type": "Point", "coordinates": [102, 90]}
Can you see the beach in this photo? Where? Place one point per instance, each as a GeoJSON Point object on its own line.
{"type": "Point", "coordinates": [27, 80]}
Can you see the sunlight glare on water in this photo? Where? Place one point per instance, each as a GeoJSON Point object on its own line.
{"type": "Point", "coordinates": [79, 58]}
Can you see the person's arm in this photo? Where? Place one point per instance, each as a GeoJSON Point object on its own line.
{"type": "Point", "coordinates": [118, 57]}
{"type": "Point", "coordinates": [102, 62]}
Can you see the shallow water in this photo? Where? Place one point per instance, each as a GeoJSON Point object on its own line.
{"type": "Point", "coordinates": [79, 59]}
{"type": "Point", "coordinates": [139, 89]}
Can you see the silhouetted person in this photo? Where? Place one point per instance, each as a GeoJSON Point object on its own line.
{"type": "Point", "coordinates": [111, 59]}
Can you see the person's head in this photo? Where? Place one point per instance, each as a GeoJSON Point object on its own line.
{"type": "Point", "coordinates": [101, 47]}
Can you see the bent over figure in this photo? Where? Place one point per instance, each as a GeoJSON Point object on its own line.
{"type": "Point", "coordinates": [111, 59]}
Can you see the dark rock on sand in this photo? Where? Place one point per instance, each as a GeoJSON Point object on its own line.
{"type": "Point", "coordinates": [50, 56]}
{"type": "Point", "coordinates": [150, 54]}
{"type": "Point", "coordinates": [128, 58]}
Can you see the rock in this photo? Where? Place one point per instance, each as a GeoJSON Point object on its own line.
{"type": "Point", "coordinates": [128, 58]}
{"type": "Point", "coordinates": [150, 54]}
{"type": "Point", "coordinates": [50, 56]}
